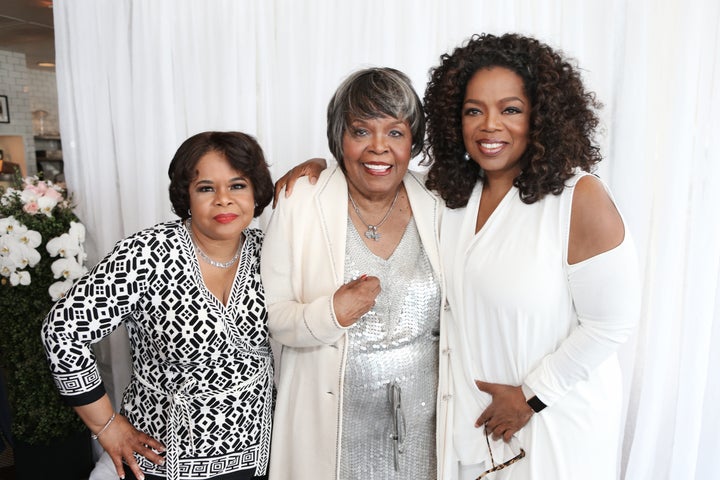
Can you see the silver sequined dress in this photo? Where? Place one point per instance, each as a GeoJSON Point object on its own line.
{"type": "Point", "coordinates": [391, 373]}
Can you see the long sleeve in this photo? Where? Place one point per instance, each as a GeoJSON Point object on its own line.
{"type": "Point", "coordinates": [605, 291]}
{"type": "Point", "coordinates": [94, 307]}
{"type": "Point", "coordinates": [297, 275]}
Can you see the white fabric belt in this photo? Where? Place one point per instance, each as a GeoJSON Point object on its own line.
{"type": "Point", "coordinates": [180, 401]}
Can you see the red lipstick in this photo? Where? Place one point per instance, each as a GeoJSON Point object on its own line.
{"type": "Point", "coordinates": [225, 217]}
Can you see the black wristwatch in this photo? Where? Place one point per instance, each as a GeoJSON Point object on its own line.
{"type": "Point", "coordinates": [536, 404]}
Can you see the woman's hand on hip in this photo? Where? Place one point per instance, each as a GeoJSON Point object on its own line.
{"type": "Point", "coordinates": [508, 412]}
{"type": "Point", "coordinates": [355, 299]}
{"type": "Point", "coordinates": [121, 440]}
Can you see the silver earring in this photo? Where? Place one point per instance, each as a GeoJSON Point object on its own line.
{"type": "Point", "coordinates": [466, 157]}
{"type": "Point", "coordinates": [189, 213]}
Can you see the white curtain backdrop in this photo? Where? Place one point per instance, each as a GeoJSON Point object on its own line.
{"type": "Point", "coordinates": [137, 77]}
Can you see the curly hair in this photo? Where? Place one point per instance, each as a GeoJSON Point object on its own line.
{"type": "Point", "coordinates": [563, 117]}
{"type": "Point", "coordinates": [241, 151]}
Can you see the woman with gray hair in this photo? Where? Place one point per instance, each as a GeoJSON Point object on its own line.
{"type": "Point", "coordinates": [354, 293]}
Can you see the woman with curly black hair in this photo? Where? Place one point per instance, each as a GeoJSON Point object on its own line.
{"type": "Point", "coordinates": [541, 272]}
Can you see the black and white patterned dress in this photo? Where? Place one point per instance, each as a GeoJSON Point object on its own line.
{"type": "Point", "coordinates": [202, 371]}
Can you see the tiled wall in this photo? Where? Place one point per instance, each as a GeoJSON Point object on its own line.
{"type": "Point", "coordinates": [27, 90]}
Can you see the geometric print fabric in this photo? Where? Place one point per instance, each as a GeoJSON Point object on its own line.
{"type": "Point", "coordinates": [202, 371]}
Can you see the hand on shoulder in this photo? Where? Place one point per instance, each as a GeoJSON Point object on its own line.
{"type": "Point", "coordinates": [595, 223]}
{"type": "Point", "coordinates": [311, 168]}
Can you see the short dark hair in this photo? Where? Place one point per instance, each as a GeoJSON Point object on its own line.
{"type": "Point", "coordinates": [372, 93]}
{"type": "Point", "coordinates": [563, 118]}
{"type": "Point", "coordinates": [242, 152]}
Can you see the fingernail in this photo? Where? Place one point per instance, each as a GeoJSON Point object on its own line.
{"type": "Point", "coordinates": [363, 276]}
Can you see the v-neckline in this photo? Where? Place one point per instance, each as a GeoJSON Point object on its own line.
{"type": "Point", "coordinates": [477, 200]}
{"type": "Point", "coordinates": [351, 225]}
{"type": "Point", "coordinates": [239, 273]}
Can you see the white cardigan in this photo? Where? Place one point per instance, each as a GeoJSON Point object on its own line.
{"type": "Point", "coordinates": [302, 266]}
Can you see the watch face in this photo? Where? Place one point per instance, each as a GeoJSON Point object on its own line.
{"type": "Point", "coordinates": [536, 404]}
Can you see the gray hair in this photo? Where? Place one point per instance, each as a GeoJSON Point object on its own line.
{"type": "Point", "coordinates": [373, 93]}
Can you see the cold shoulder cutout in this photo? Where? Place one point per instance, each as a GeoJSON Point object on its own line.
{"type": "Point", "coordinates": [595, 222]}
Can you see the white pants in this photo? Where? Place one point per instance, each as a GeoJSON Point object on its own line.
{"type": "Point", "coordinates": [104, 469]}
{"type": "Point", "coordinates": [465, 472]}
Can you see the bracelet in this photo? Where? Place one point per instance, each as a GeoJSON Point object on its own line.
{"type": "Point", "coordinates": [95, 436]}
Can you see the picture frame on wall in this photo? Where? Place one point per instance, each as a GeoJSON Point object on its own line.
{"type": "Point", "coordinates": [4, 111]}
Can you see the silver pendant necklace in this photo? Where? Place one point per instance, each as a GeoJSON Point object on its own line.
{"type": "Point", "coordinates": [205, 256]}
{"type": "Point", "coordinates": [372, 232]}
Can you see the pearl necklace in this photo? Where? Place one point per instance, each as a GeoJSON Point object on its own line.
{"type": "Point", "coordinates": [206, 258]}
{"type": "Point", "coordinates": [372, 232]}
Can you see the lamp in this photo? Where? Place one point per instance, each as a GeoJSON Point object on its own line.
{"type": "Point", "coordinates": [39, 117]}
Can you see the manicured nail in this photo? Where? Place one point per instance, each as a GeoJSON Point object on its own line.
{"type": "Point", "coordinates": [363, 276]}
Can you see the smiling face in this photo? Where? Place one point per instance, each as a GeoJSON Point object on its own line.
{"type": "Point", "coordinates": [496, 121]}
{"type": "Point", "coordinates": [222, 201]}
{"type": "Point", "coordinates": [376, 155]}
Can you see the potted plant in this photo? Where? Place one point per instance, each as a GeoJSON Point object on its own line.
{"type": "Point", "coordinates": [41, 254]}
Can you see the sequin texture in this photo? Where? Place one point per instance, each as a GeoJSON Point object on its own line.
{"type": "Point", "coordinates": [391, 372]}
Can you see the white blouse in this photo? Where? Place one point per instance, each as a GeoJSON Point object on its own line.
{"type": "Point", "coordinates": [522, 315]}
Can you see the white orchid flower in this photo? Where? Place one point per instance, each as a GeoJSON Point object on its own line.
{"type": "Point", "coordinates": [19, 245]}
{"type": "Point", "coordinates": [24, 256]}
{"type": "Point", "coordinates": [7, 243]}
{"type": "Point", "coordinates": [67, 268]}
{"type": "Point", "coordinates": [31, 238]}
{"type": "Point", "coordinates": [10, 248]}
{"type": "Point", "coordinates": [19, 249]}
{"type": "Point", "coordinates": [10, 226]}
{"type": "Point", "coordinates": [7, 266]}
{"type": "Point", "coordinates": [77, 230]}
{"type": "Point", "coordinates": [29, 195]}
{"type": "Point", "coordinates": [65, 246]}
{"type": "Point", "coordinates": [46, 204]}
{"type": "Point", "coordinates": [6, 225]}
{"type": "Point", "coordinates": [19, 278]}
{"type": "Point", "coordinates": [58, 289]}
